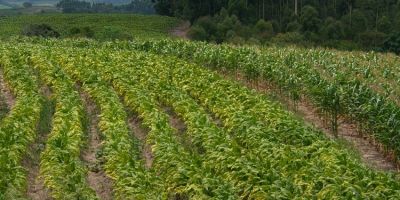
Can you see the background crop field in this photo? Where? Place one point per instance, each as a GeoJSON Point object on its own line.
{"type": "Point", "coordinates": [4, 7]}
{"type": "Point", "coordinates": [136, 26]}
{"type": "Point", "coordinates": [18, 3]}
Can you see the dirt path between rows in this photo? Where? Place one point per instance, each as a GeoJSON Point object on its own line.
{"type": "Point", "coordinates": [181, 31]}
{"type": "Point", "coordinates": [140, 132]}
{"type": "Point", "coordinates": [36, 188]}
{"type": "Point", "coordinates": [96, 178]}
{"type": "Point", "coordinates": [5, 90]}
{"type": "Point", "coordinates": [370, 151]}
{"type": "Point", "coordinates": [181, 131]}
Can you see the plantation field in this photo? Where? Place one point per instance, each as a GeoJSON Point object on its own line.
{"type": "Point", "coordinates": [18, 3]}
{"type": "Point", "coordinates": [3, 106]}
{"type": "Point", "coordinates": [54, 2]}
{"type": "Point", "coordinates": [28, 11]}
{"type": "Point", "coordinates": [104, 26]}
{"type": "Point", "coordinates": [359, 87]}
{"type": "Point", "coordinates": [4, 7]}
{"type": "Point", "coordinates": [147, 120]}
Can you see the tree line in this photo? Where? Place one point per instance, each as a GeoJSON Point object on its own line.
{"type": "Point", "coordinates": [80, 6]}
{"type": "Point", "coordinates": [347, 23]}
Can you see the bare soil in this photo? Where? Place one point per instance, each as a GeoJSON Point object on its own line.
{"type": "Point", "coordinates": [182, 30]}
{"type": "Point", "coordinates": [36, 189]}
{"type": "Point", "coordinates": [96, 178]}
{"type": "Point", "coordinates": [5, 90]}
{"type": "Point", "coordinates": [175, 121]}
{"type": "Point", "coordinates": [179, 125]}
{"type": "Point", "coordinates": [371, 152]}
{"type": "Point", "coordinates": [140, 133]}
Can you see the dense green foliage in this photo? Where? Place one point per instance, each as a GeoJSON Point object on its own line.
{"type": "Point", "coordinates": [28, 11]}
{"type": "Point", "coordinates": [17, 129]}
{"type": "Point", "coordinates": [40, 30]}
{"type": "Point", "coordinates": [27, 4]}
{"type": "Point", "coordinates": [18, 7]}
{"type": "Point", "coordinates": [3, 106]}
{"type": "Point", "coordinates": [364, 22]}
{"type": "Point", "coordinates": [256, 150]}
{"type": "Point", "coordinates": [393, 43]}
{"type": "Point", "coordinates": [357, 86]}
{"type": "Point", "coordinates": [78, 6]}
{"type": "Point", "coordinates": [60, 164]}
{"type": "Point", "coordinates": [99, 26]}
{"type": "Point", "coordinates": [37, 3]}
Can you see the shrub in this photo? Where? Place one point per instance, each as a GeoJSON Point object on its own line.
{"type": "Point", "coordinates": [311, 36]}
{"type": "Point", "coordinates": [230, 34]}
{"type": "Point", "coordinates": [87, 32]}
{"type": "Point", "coordinates": [114, 33]}
{"type": "Point", "coordinates": [237, 40]}
{"type": "Point", "coordinates": [309, 19]}
{"type": "Point", "coordinates": [74, 31]}
{"type": "Point", "coordinates": [384, 24]}
{"type": "Point", "coordinates": [276, 26]}
{"type": "Point", "coordinates": [332, 29]}
{"type": "Point", "coordinates": [290, 37]}
{"type": "Point", "coordinates": [264, 30]}
{"type": "Point", "coordinates": [253, 41]}
{"type": "Point", "coordinates": [263, 26]}
{"type": "Point", "coordinates": [27, 4]}
{"type": "Point", "coordinates": [40, 30]}
{"type": "Point", "coordinates": [207, 23]}
{"type": "Point", "coordinates": [372, 38]}
{"type": "Point", "coordinates": [293, 27]}
{"type": "Point", "coordinates": [198, 33]}
{"type": "Point", "coordinates": [81, 32]}
{"type": "Point", "coordinates": [244, 31]}
{"type": "Point", "coordinates": [393, 43]}
{"type": "Point", "coordinates": [356, 23]}
{"type": "Point", "coordinates": [346, 45]}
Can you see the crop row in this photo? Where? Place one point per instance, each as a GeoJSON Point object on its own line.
{"type": "Point", "coordinates": [120, 150]}
{"type": "Point", "coordinates": [238, 156]}
{"type": "Point", "coordinates": [259, 152]}
{"type": "Point", "coordinates": [283, 145]}
{"type": "Point", "coordinates": [221, 153]}
{"type": "Point", "coordinates": [300, 73]}
{"type": "Point", "coordinates": [297, 161]}
{"type": "Point", "coordinates": [183, 172]}
{"type": "Point", "coordinates": [60, 163]}
{"type": "Point", "coordinates": [18, 128]}
{"type": "Point", "coordinates": [358, 86]}
{"type": "Point", "coordinates": [3, 105]}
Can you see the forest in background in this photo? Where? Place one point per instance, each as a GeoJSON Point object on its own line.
{"type": "Point", "coordinates": [345, 24]}
{"type": "Point", "coordinates": [134, 6]}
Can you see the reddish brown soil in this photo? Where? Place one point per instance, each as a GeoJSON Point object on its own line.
{"type": "Point", "coordinates": [96, 178]}
{"type": "Point", "coordinates": [36, 189]}
{"type": "Point", "coordinates": [175, 121]}
{"type": "Point", "coordinates": [140, 133]}
{"type": "Point", "coordinates": [371, 152]}
{"type": "Point", "coordinates": [180, 128]}
{"type": "Point", "coordinates": [5, 90]}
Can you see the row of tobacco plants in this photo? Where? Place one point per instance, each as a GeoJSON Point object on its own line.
{"type": "Point", "coordinates": [256, 151]}
{"type": "Point", "coordinates": [361, 87]}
